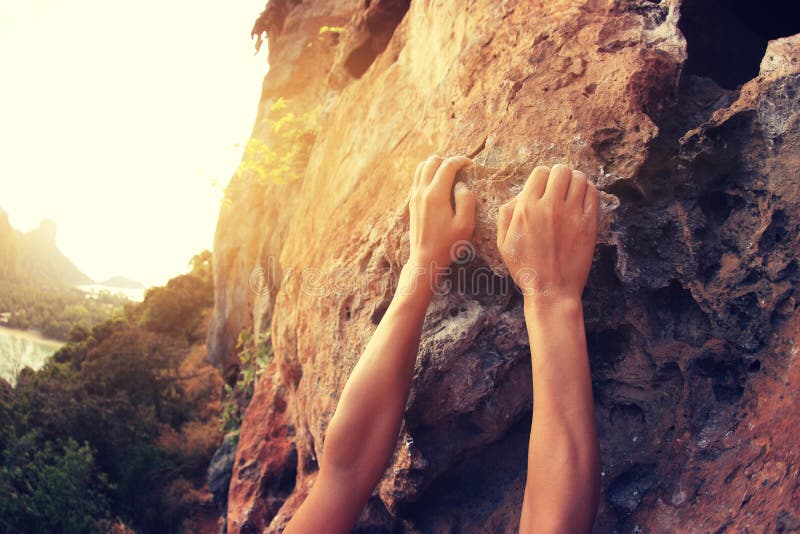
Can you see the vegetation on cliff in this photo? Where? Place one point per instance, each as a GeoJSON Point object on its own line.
{"type": "Point", "coordinates": [255, 353]}
{"type": "Point", "coordinates": [286, 155]}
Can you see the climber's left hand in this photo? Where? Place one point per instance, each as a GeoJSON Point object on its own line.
{"type": "Point", "coordinates": [434, 226]}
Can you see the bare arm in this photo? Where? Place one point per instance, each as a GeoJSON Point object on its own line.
{"type": "Point", "coordinates": [363, 432]}
{"type": "Point", "coordinates": [547, 236]}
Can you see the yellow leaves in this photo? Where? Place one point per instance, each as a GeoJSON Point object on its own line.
{"type": "Point", "coordinates": [266, 164]}
{"type": "Point", "coordinates": [279, 104]}
{"type": "Point", "coordinates": [282, 156]}
{"type": "Point", "coordinates": [332, 29]}
{"type": "Point", "coordinates": [287, 119]}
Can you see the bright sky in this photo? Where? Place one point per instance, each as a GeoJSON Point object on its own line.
{"type": "Point", "coordinates": [115, 120]}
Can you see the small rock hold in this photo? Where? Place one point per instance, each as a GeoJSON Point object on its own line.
{"type": "Point", "coordinates": [220, 470]}
{"type": "Point", "coordinates": [786, 522]}
{"type": "Point", "coordinates": [625, 493]}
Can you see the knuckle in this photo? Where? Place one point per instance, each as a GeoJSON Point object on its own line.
{"type": "Point", "coordinates": [466, 202]}
{"type": "Point", "coordinates": [560, 171]}
{"type": "Point", "coordinates": [448, 164]}
{"type": "Point", "coordinates": [539, 174]}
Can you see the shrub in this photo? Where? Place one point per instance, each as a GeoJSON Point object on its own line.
{"type": "Point", "coordinates": [255, 353]}
{"type": "Point", "coordinates": [285, 157]}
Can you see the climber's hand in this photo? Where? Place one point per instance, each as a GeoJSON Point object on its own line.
{"type": "Point", "coordinates": [435, 228]}
{"type": "Point", "coordinates": [547, 233]}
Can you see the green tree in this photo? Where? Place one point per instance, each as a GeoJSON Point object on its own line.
{"type": "Point", "coordinates": [172, 309]}
{"type": "Point", "coordinates": [122, 390]}
{"type": "Point", "coordinates": [52, 487]}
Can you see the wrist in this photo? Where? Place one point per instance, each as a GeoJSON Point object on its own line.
{"type": "Point", "coordinates": [427, 262]}
{"type": "Point", "coordinates": [542, 307]}
{"type": "Point", "coordinates": [416, 282]}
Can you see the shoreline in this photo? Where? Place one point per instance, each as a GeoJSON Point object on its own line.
{"type": "Point", "coordinates": [32, 335]}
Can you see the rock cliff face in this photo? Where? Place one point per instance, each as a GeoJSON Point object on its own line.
{"type": "Point", "coordinates": [684, 115]}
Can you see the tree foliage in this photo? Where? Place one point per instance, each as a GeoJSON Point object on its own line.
{"type": "Point", "coordinates": [120, 413]}
{"type": "Point", "coordinates": [55, 310]}
{"type": "Point", "coordinates": [52, 487]}
{"type": "Point", "coordinates": [171, 309]}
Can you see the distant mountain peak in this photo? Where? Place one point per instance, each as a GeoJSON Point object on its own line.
{"type": "Point", "coordinates": [34, 256]}
{"type": "Point", "coordinates": [47, 231]}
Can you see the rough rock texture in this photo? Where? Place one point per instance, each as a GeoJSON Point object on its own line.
{"type": "Point", "coordinates": [219, 473]}
{"type": "Point", "coordinates": [691, 306]}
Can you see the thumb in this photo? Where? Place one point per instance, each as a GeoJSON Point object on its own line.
{"type": "Point", "coordinates": [465, 207]}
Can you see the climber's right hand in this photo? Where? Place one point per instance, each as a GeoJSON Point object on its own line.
{"type": "Point", "coordinates": [547, 233]}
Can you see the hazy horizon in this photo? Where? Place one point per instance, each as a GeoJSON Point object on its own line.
{"type": "Point", "coordinates": [115, 127]}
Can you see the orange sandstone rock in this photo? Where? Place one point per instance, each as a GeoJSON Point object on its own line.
{"type": "Point", "coordinates": [688, 306]}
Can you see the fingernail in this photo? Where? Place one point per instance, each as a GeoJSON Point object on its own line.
{"type": "Point", "coordinates": [460, 186]}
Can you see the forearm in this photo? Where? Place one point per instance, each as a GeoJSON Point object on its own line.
{"type": "Point", "coordinates": [563, 458]}
{"type": "Point", "coordinates": [363, 431]}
